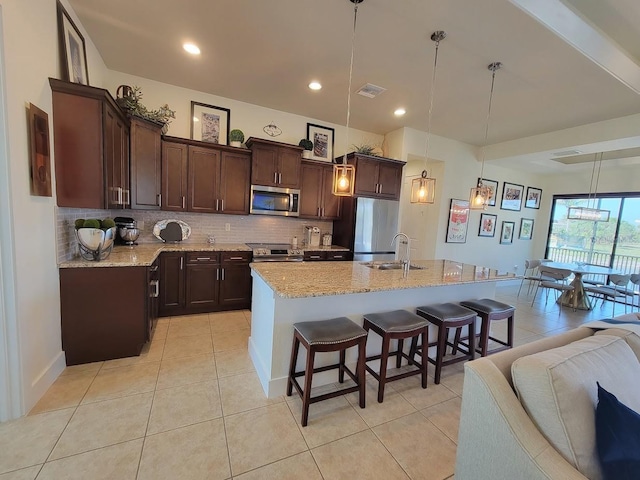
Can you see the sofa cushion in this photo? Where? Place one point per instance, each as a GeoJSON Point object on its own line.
{"type": "Point", "coordinates": [617, 438]}
{"type": "Point", "coordinates": [558, 390]}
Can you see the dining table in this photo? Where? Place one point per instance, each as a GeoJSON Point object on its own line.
{"type": "Point", "coordinates": [578, 298]}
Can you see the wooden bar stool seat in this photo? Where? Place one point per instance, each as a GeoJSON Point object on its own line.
{"type": "Point", "coordinates": [398, 325]}
{"type": "Point", "coordinates": [489, 310]}
{"type": "Point", "coordinates": [446, 316]}
{"type": "Point", "coordinates": [336, 334]}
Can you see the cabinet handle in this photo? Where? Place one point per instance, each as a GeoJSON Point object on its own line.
{"type": "Point", "coordinates": [236, 258]}
{"type": "Point", "coordinates": [156, 289]}
{"type": "Point", "coordinates": [380, 189]}
{"type": "Point", "coordinates": [119, 200]}
{"type": "Point", "coordinates": [154, 268]}
{"type": "Point", "coordinates": [183, 202]}
{"type": "Point", "coordinates": [223, 274]}
{"type": "Point", "coordinates": [217, 274]}
{"type": "Point", "coordinates": [323, 211]}
{"type": "Point", "coordinates": [222, 205]}
{"type": "Point", "coordinates": [203, 258]}
{"type": "Point", "coordinates": [127, 192]}
{"type": "Point", "coordinates": [159, 199]}
{"type": "Point", "coordinates": [314, 256]}
{"type": "Point", "coordinates": [181, 262]}
{"type": "Point", "coordinates": [217, 204]}
{"type": "Point", "coordinates": [275, 177]}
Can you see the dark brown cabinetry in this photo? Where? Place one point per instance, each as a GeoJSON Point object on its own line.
{"type": "Point", "coordinates": [337, 255]}
{"type": "Point", "coordinates": [153, 281]}
{"type": "Point", "coordinates": [104, 312]}
{"type": "Point", "coordinates": [146, 162]}
{"type": "Point", "coordinates": [200, 178]}
{"type": "Point", "coordinates": [91, 138]}
{"type": "Point", "coordinates": [275, 164]}
{"type": "Point", "coordinates": [316, 197]}
{"type": "Point", "coordinates": [198, 282]}
{"type": "Point", "coordinates": [376, 177]}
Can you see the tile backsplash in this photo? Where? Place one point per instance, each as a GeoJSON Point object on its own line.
{"type": "Point", "coordinates": [224, 228]}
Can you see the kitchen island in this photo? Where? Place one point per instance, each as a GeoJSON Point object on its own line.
{"type": "Point", "coordinates": [286, 293]}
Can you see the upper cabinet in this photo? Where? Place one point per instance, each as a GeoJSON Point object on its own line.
{"type": "Point", "coordinates": [91, 144]}
{"type": "Point", "coordinates": [146, 155]}
{"type": "Point", "coordinates": [204, 178]}
{"type": "Point", "coordinates": [376, 177]}
{"type": "Point", "coordinates": [316, 197]}
{"type": "Point", "coordinates": [274, 164]}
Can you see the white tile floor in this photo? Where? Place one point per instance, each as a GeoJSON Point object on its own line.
{"type": "Point", "coordinates": [191, 407]}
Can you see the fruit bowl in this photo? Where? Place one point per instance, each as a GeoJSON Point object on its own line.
{"type": "Point", "coordinates": [95, 244]}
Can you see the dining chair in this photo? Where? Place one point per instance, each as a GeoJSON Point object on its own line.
{"type": "Point", "coordinates": [532, 274]}
{"type": "Point", "coordinates": [617, 288]}
{"type": "Point", "coordinates": [560, 282]}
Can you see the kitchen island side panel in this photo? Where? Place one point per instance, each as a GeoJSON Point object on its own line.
{"type": "Point", "coordinates": [272, 320]}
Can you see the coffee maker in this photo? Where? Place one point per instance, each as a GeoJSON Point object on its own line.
{"type": "Point", "coordinates": [127, 231]}
{"type": "Point", "coordinates": [312, 236]}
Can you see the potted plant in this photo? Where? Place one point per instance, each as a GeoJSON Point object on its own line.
{"type": "Point", "coordinates": [367, 149]}
{"type": "Point", "coordinates": [131, 103]}
{"type": "Point", "coordinates": [236, 137]}
{"type": "Point", "coordinates": [308, 147]}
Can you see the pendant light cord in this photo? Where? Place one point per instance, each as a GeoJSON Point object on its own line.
{"type": "Point", "coordinates": [436, 37]}
{"type": "Point", "coordinates": [353, 47]}
{"type": "Point", "coordinates": [493, 67]}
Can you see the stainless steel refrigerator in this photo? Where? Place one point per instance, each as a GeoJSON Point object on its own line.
{"type": "Point", "coordinates": [376, 222]}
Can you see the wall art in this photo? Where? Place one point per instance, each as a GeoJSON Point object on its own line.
{"type": "Point", "coordinates": [458, 221]}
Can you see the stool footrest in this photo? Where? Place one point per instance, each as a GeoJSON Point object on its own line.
{"type": "Point", "coordinates": [325, 396]}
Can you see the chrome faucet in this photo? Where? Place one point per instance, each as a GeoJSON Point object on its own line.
{"type": "Point", "coordinates": [407, 261]}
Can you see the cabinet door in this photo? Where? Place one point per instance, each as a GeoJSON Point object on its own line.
{"type": "Point", "coordinates": [366, 177]}
{"type": "Point", "coordinates": [202, 287]}
{"type": "Point", "coordinates": [311, 190]}
{"type": "Point", "coordinates": [114, 137]}
{"type": "Point", "coordinates": [204, 170]}
{"type": "Point", "coordinates": [146, 158]}
{"type": "Point", "coordinates": [289, 162]}
{"type": "Point", "coordinates": [330, 208]}
{"type": "Point", "coordinates": [389, 180]}
{"type": "Point", "coordinates": [171, 283]}
{"type": "Point", "coordinates": [264, 166]}
{"type": "Point", "coordinates": [235, 173]}
{"type": "Point", "coordinates": [235, 285]}
{"type": "Point", "coordinates": [174, 176]}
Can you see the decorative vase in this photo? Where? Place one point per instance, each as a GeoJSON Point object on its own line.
{"type": "Point", "coordinates": [306, 154]}
{"type": "Point", "coordinates": [236, 144]}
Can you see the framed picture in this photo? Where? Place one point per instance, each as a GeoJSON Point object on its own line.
{"type": "Point", "coordinates": [506, 235]}
{"type": "Point", "coordinates": [493, 190]}
{"type": "Point", "coordinates": [40, 168]}
{"type": "Point", "coordinates": [210, 123]}
{"type": "Point", "coordinates": [72, 49]}
{"type": "Point", "coordinates": [323, 140]}
{"type": "Point", "coordinates": [526, 229]}
{"type": "Point", "coordinates": [458, 221]}
{"type": "Point", "coordinates": [487, 225]}
{"type": "Point", "coordinates": [534, 195]}
{"type": "Point", "coordinates": [512, 196]}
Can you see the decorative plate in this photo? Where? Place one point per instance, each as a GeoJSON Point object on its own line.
{"type": "Point", "coordinates": [161, 232]}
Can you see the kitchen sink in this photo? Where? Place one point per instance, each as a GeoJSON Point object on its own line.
{"type": "Point", "coordinates": [381, 265]}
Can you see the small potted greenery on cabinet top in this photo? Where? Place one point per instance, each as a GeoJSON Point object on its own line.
{"type": "Point", "coordinates": [308, 147]}
{"type": "Point", "coordinates": [236, 137]}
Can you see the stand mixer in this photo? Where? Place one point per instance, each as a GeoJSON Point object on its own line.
{"type": "Point", "coordinates": [128, 232]}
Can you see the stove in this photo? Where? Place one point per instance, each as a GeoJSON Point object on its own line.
{"type": "Point", "coordinates": [275, 252]}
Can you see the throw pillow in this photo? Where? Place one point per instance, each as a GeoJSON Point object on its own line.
{"type": "Point", "coordinates": [617, 438]}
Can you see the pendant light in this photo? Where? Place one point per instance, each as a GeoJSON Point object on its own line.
{"type": "Point", "coordinates": [423, 189]}
{"type": "Point", "coordinates": [480, 195]}
{"type": "Point", "coordinates": [590, 212]}
{"type": "Point", "coordinates": [344, 175]}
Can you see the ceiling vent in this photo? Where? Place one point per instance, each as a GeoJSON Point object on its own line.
{"type": "Point", "coordinates": [370, 91]}
{"type": "Point", "coordinates": [565, 153]}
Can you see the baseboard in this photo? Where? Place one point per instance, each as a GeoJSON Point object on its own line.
{"type": "Point", "coordinates": [43, 381]}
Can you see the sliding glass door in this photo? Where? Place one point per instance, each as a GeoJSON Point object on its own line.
{"type": "Point", "coordinates": [615, 243]}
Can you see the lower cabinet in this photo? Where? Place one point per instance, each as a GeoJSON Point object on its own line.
{"type": "Point", "coordinates": [104, 312]}
{"type": "Point", "coordinates": [337, 255]}
{"type": "Point", "coordinates": [200, 282]}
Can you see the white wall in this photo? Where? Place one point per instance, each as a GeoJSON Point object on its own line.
{"type": "Point", "coordinates": [31, 54]}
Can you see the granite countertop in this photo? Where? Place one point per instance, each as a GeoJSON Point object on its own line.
{"type": "Point", "coordinates": [143, 255]}
{"type": "Point", "coordinates": [315, 279]}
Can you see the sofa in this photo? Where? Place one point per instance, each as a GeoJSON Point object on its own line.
{"type": "Point", "coordinates": [529, 412]}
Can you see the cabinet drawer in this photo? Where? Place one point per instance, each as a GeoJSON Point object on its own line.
{"type": "Point", "coordinates": [202, 257]}
{"type": "Point", "coordinates": [235, 257]}
{"type": "Point", "coordinates": [314, 256]}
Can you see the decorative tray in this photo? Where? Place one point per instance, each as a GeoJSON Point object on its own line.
{"type": "Point", "coordinates": [171, 230]}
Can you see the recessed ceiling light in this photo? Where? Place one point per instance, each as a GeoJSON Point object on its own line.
{"type": "Point", "coordinates": [399, 112]}
{"type": "Point", "coordinates": [315, 86]}
{"type": "Point", "coordinates": [192, 48]}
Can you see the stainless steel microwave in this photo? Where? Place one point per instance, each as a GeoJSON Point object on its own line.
{"type": "Point", "coordinates": [275, 201]}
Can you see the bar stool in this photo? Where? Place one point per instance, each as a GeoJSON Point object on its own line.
{"type": "Point", "coordinates": [488, 310]}
{"type": "Point", "coordinates": [446, 316]}
{"type": "Point", "coordinates": [398, 325]}
{"type": "Point", "coordinates": [336, 334]}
